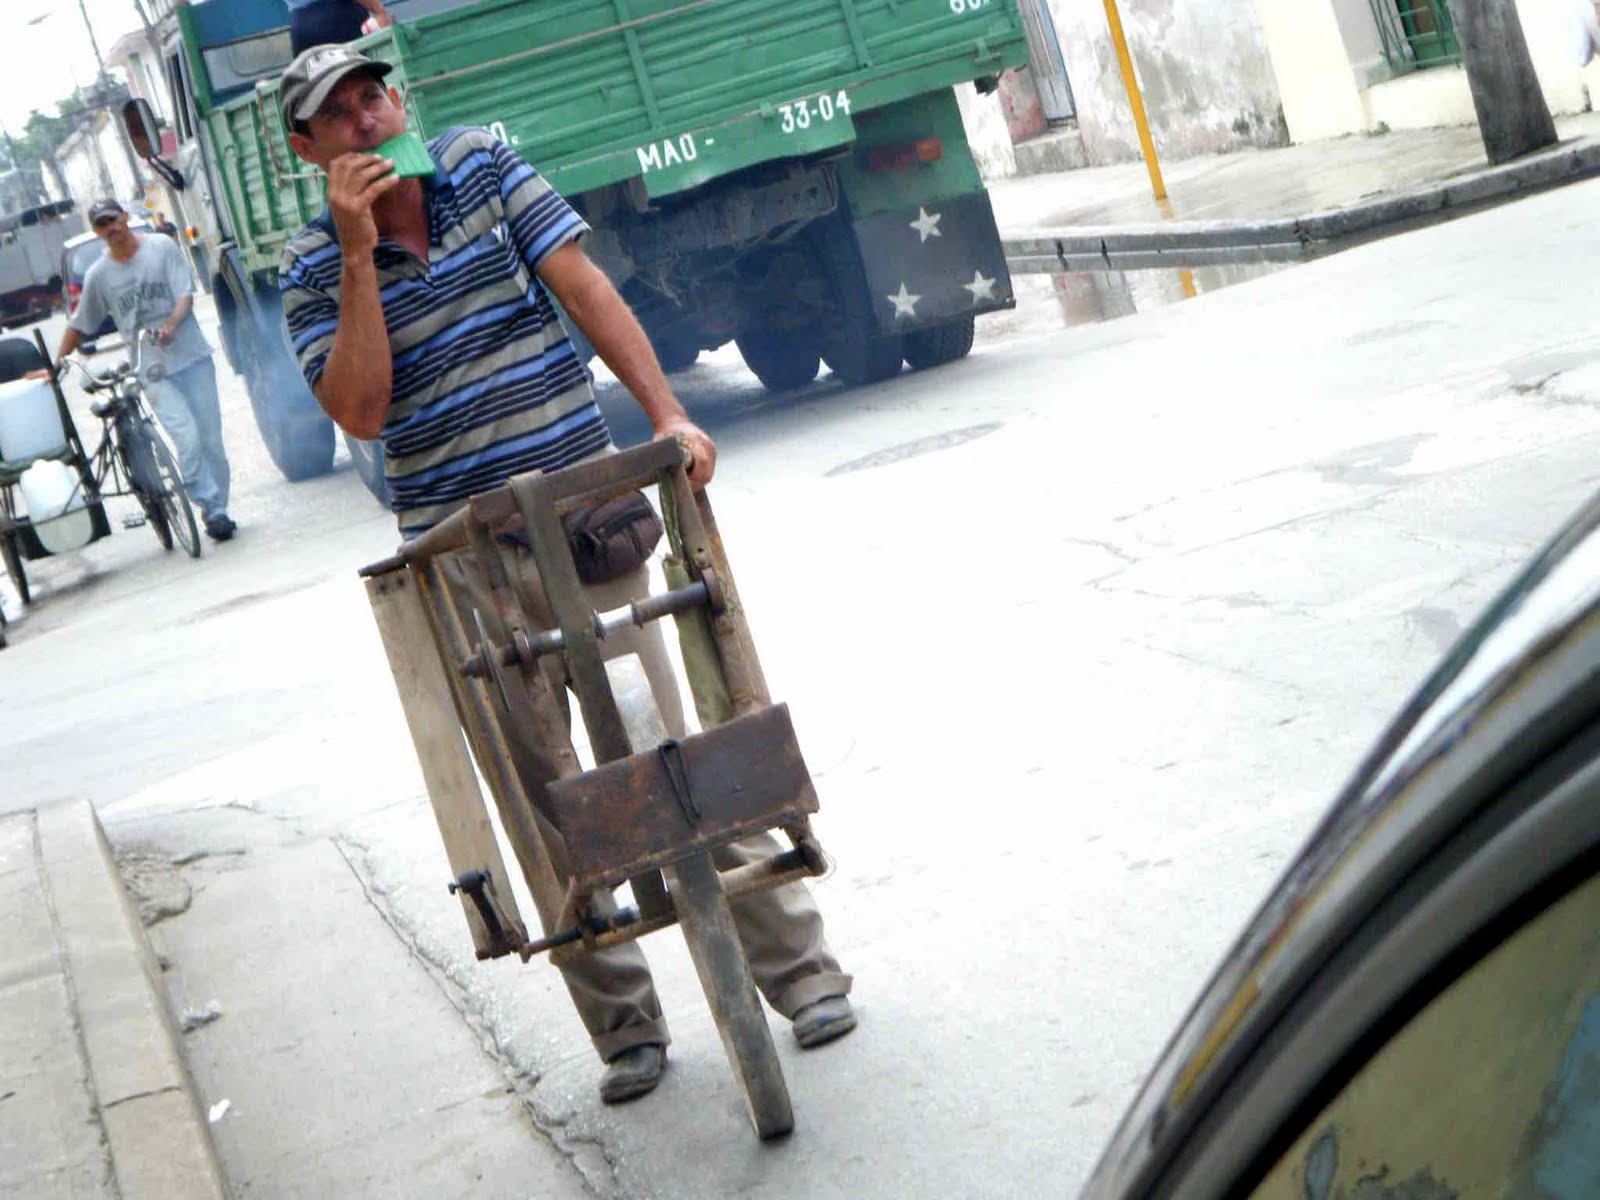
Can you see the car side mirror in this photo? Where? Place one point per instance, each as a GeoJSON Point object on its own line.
{"type": "Point", "coordinates": [143, 131]}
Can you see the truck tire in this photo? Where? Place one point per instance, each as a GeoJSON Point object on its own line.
{"type": "Point", "coordinates": [676, 355]}
{"type": "Point", "coordinates": [367, 457]}
{"type": "Point", "coordinates": [944, 344]}
{"type": "Point", "coordinates": [782, 362]}
{"type": "Point", "coordinates": [301, 445]}
{"type": "Point", "coordinates": [297, 434]}
{"type": "Point", "coordinates": [863, 359]}
{"type": "Point", "coordinates": [852, 346]}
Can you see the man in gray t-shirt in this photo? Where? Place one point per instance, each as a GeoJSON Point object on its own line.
{"type": "Point", "coordinates": [142, 282]}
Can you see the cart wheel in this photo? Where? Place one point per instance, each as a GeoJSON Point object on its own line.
{"type": "Point", "coordinates": [714, 945]}
{"type": "Point", "coordinates": [713, 940]}
{"type": "Point", "coordinates": [13, 561]}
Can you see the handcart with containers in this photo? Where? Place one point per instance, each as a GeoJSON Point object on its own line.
{"type": "Point", "coordinates": [36, 426]}
{"type": "Point", "coordinates": [131, 459]}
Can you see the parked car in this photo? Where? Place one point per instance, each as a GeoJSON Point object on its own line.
{"type": "Point", "coordinates": [1415, 1012]}
{"type": "Point", "coordinates": [77, 256]}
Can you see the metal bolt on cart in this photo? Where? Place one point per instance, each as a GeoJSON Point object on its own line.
{"type": "Point", "coordinates": [653, 809]}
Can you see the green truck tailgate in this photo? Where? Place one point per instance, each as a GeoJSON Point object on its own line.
{"type": "Point", "coordinates": [675, 92]}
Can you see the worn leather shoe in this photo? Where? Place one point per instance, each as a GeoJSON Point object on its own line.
{"type": "Point", "coordinates": [823, 1021]}
{"type": "Point", "coordinates": [633, 1073]}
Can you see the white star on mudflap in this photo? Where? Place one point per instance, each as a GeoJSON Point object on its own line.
{"type": "Point", "coordinates": [981, 287]}
{"type": "Point", "coordinates": [905, 303]}
{"type": "Point", "coordinates": [926, 224]}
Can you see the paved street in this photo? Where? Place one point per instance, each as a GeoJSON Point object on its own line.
{"type": "Point", "coordinates": [1080, 635]}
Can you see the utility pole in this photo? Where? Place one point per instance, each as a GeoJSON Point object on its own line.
{"type": "Point", "coordinates": [93, 43]}
{"type": "Point", "coordinates": [1512, 116]}
{"type": "Point", "coordinates": [135, 171]}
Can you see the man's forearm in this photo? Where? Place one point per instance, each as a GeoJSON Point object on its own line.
{"type": "Point", "coordinates": [358, 378]}
{"type": "Point", "coordinates": [622, 344]}
{"type": "Point", "coordinates": [70, 341]}
{"type": "Point", "coordinates": [180, 310]}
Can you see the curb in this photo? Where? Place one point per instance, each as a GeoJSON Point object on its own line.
{"type": "Point", "coordinates": [159, 1141]}
{"type": "Point", "coordinates": [1177, 244]}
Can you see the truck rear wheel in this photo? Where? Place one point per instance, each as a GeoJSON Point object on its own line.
{"type": "Point", "coordinates": [944, 344]}
{"type": "Point", "coordinates": [862, 359]}
{"type": "Point", "coordinates": [782, 361]}
{"type": "Point", "coordinates": [852, 346]}
{"type": "Point", "coordinates": [676, 355]}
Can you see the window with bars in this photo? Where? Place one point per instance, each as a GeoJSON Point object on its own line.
{"type": "Point", "coordinates": [1416, 33]}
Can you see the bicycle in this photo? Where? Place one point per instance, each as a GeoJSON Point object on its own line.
{"type": "Point", "coordinates": [134, 456]}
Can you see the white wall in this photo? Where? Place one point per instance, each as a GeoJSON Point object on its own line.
{"type": "Point", "coordinates": [1321, 50]}
{"type": "Point", "coordinates": [145, 80]}
{"type": "Point", "coordinates": [1313, 69]}
{"type": "Point", "coordinates": [94, 157]}
{"type": "Point", "coordinates": [987, 133]}
{"type": "Point", "coordinates": [1207, 78]}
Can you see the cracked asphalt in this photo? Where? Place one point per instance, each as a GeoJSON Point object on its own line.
{"type": "Point", "coordinates": [1080, 635]}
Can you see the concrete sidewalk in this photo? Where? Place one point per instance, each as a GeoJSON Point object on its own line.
{"type": "Point", "coordinates": [1100, 245]}
{"type": "Point", "coordinates": [95, 1099]}
{"type": "Point", "coordinates": [1253, 184]}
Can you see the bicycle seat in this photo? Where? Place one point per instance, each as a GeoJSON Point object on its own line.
{"type": "Point", "coordinates": [105, 408]}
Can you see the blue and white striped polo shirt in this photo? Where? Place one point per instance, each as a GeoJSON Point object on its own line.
{"type": "Point", "coordinates": [486, 384]}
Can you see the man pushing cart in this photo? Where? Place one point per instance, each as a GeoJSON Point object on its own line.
{"type": "Point", "coordinates": [419, 308]}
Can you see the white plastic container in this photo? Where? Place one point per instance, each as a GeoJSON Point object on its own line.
{"type": "Point", "coordinates": [30, 422]}
{"type": "Point", "coordinates": [56, 506]}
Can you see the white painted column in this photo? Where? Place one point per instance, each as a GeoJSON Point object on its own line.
{"type": "Point", "coordinates": [1315, 79]}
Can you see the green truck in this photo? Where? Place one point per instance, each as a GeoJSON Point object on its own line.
{"type": "Point", "coordinates": [789, 175]}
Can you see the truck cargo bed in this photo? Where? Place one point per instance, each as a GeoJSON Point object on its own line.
{"type": "Point", "coordinates": [673, 92]}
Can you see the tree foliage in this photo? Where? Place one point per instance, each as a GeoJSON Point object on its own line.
{"type": "Point", "coordinates": [44, 132]}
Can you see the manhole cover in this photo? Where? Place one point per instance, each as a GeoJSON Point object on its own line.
{"type": "Point", "coordinates": [925, 445]}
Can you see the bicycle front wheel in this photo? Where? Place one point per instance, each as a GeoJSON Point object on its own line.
{"type": "Point", "coordinates": [135, 442]}
{"type": "Point", "coordinates": [175, 501]}
{"type": "Point", "coordinates": [172, 515]}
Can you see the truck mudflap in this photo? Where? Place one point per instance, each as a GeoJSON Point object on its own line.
{"type": "Point", "coordinates": [934, 262]}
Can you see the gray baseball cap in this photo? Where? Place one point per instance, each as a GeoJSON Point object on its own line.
{"type": "Point", "coordinates": [102, 209]}
{"type": "Point", "coordinates": [315, 72]}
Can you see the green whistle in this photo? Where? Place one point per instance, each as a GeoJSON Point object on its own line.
{"type": "Point", "coordinates": [410, 155]}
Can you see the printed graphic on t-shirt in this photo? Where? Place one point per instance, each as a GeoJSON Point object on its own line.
{"type": "Point", "coordinates": [143, 304]}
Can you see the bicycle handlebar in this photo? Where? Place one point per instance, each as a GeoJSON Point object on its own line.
{"type": "Point", "coordinates": [100, 382]}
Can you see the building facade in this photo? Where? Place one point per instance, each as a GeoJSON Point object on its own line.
{"type": "Point", "coordinates": [94, 164]}
{"type": "Point", "coordinates": [1355, 66]}
{"type": "Point", "coordinates": [1221, 75]}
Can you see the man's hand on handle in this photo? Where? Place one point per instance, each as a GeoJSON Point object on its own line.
{"type": "Point", "coordinates": [355, 181]}
{"type": "Point", "coordinates": [702, 450]}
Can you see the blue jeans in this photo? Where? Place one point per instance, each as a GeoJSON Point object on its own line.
{"type": "Point", "coordinates": [186, 405]}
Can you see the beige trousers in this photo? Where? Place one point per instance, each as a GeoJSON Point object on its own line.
{"type": "Point", "coordinates": [612, 989]}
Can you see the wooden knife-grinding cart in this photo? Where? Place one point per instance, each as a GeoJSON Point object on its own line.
{"type": "Point", "coordinates": [652, 810]}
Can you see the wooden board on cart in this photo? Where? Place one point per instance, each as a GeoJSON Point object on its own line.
{"type": "Point", "coordinates": [458, 805]}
